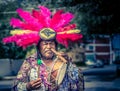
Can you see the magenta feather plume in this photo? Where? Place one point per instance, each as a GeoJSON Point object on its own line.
{"type": "Point", "coordinates": [65, 19]}
{"type": "Point", "coordinates": [29, 19]}
{"type": "Point", "coordinates": [26, 16]}
{"type": "Point", "coordinates": [16, 23]}
{"type": "Point", "coordinates": [30, 27]}
{"type": "Point", "coordinates": [9, 39]}
{"type": "Point", "coordinates": [45, 12]}
{"type": "Point", "coordinates": [23, 40]}
{"type": "Point", "coordinates": [66, 28]}
{"type": "Point", "coordinates": [39, 17]}
{"type": "Point", "coordinates": [55, 19]}
{"type": "Point", "coordinates": [28, 39]}
{"type": "Point", "coordinates": [64, 39]}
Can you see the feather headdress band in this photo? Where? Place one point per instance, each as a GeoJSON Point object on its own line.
{"type": "Point", "coordinates": [40, 25]}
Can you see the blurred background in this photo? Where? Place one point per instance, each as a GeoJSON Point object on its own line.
{"type": "Point", "coordinates": [98, 54]}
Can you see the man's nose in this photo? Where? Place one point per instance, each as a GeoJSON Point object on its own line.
{"type": "Point", "coordinates": [48, 46]}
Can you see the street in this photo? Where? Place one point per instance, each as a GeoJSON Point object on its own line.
{"type": "Point", "coordinates": [101, 79]}
{"type": "Point", "coordinates": [96, 79]}
{"type": "Point", "coordinates": [102, 83]}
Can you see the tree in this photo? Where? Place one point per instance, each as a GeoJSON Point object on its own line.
{"type": "Point", "coordinates": [91, 16]}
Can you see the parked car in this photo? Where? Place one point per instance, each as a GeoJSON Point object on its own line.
{"type": "Point", "coordinates": [94, 64]}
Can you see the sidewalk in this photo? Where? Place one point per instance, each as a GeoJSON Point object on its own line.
{"type": "Point", "coordinates": [106, 70]}
{"type": "Point", "coordinates": [101, 79]}
{"type": "Point", "coordinates": [6, 84]}
{"type": "Point", "coordinates": [97, 84]}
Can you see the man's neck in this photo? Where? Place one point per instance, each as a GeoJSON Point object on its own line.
{"type": "Point", "coordinates": [47, 61]}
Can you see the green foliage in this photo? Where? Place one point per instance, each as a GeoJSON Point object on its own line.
{"type": "Point", "coordinates": [91, 16]}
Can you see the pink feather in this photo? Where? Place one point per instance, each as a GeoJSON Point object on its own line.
{"type": "Point", "coordinates": [29, 19]}
{"type": "Point", "coordinates": [39, 17]}
{"type": "Point", "coordinates": [55, 19]}
{"type": "Point", "coordinates": [66, 28]}
{"type": "Point", "coordinates": [23, 40]}
{"type": "Point", "coordinates": [9, 39]}
{"type": "Point", "coordinates": [16, 23]}
{"type": "Point", "coordinates": [27, 39]}
{"type": "Point", "coordinates": [65, 19]}
{"type": "Point", "coordinates": [65, 38]}
{"type": "Point", "coordinates": [30, 27]}
{"type": "Point", "coordinates": [45, 12]}
{"type": "Point", "coordinates": [25, 15]}
{"type": "Point", "coordinates": [37, 20]}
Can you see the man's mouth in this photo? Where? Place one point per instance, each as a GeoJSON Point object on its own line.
{"type": "Point", "coordinates": [49, 51]}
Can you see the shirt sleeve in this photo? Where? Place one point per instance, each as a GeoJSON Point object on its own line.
{"type": "Point", "coordinates": [76, 79]}
{"type": "Point", "coordinates": [80, 83]}
{"type": "Point", "coordinates": [22, 78]}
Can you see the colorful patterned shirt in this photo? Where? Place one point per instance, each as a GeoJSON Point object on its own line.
{"type": "Point", "coordinates": [72, 81]}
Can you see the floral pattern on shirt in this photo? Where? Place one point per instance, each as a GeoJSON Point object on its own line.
{"type": "Point", "coordinates": [73, 80]}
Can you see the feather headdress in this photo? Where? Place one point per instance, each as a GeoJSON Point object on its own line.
{"type": "Point", "coordinates": [40, 24]}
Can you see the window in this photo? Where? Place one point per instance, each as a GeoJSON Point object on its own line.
{"type": "Point", "coordinates": [90, 57]}
{"type": "Point", "coordinates": [89, 47]}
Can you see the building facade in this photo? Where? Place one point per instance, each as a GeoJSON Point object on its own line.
{"type": "Point", "coordinates": [99, 48]}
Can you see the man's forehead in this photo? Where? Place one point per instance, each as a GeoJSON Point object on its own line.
{"type": "Point", "coordinates": [47, 41]}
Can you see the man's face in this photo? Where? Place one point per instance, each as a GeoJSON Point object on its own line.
{"type": "Point", "coordinates": [45, 47]}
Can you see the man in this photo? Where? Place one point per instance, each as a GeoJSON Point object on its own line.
{"type": "Point", "coordinates": [47, 70]}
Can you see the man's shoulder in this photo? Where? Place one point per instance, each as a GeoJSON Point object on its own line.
{"type": "Point", "coordinates": [33, 56]}
{"type": "Point", "coordinates": [72, 68]}
{"type": "Point", "coordinates": [74, 73]}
